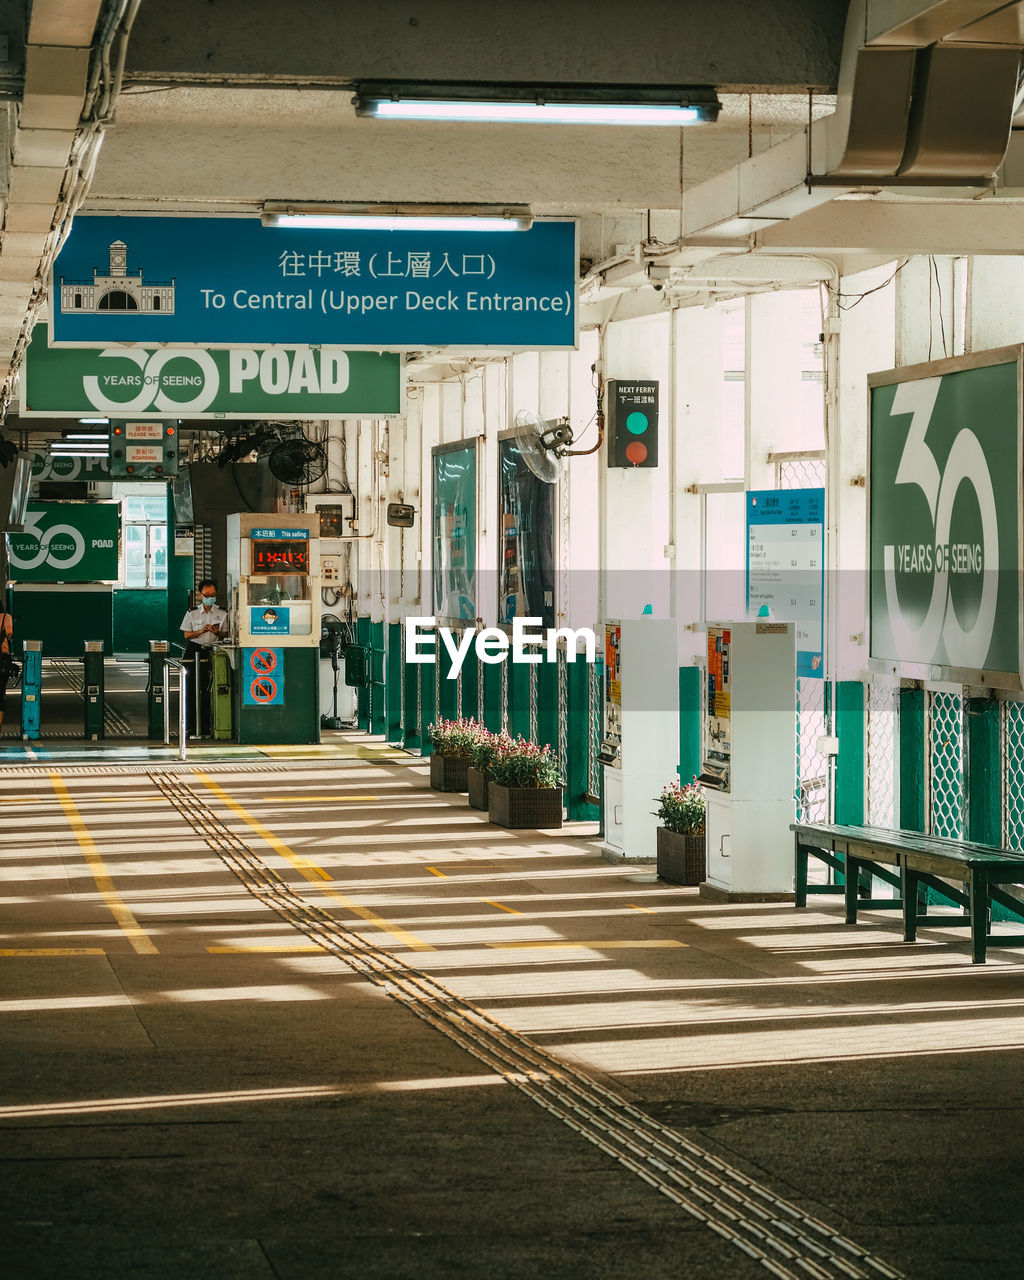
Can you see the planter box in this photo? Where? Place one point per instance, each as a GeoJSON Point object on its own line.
{"type": "Point", "coordinates": [448, 773]}
{"type": "Point", "coordinates": [682, 859]}
{"type": "Point", "coordinates": [524, 807]}
{"type": "Point", "coordinates": [478, 784]}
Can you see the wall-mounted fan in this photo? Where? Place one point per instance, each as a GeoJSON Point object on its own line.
{"type": "Point", "coordinates": [297, 461]}
{"type": "Point", "coordinates": [541, 443]}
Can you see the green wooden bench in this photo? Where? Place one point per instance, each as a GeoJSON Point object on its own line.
{"type": "Point", "coordinates": [921, 862]}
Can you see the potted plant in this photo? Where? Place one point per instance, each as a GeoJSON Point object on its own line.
{"type": "Point", "coordinates": [478, 776]}
{"type": "Point", "coordinates": [452, 742]}
{"type": "Point", "coordinates": [525, 787]}
{"type": "Point", "coordinates": [681, 851]}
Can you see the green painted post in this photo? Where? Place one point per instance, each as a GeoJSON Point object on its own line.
{"type": "Point", "coordinates": [411, 739]}
{"type": "Point", "coordinates": [469, 676]}
{"type": "Point", "coordinates": [428, 675]}
{"type": "Point", "coordinates": [492, 696]}
{"type": "Point", "coordinates": [912, 759]}
{"type": "Point", "coordinates": [179, 583]}
{"type": "Point", "coordinates": [518, 698]}
{"type": "Point", "coordinates": [577, 737]}
{"type": "Point", "coordinates": [547, 704]}
{"type": "Point", "coordinates": [378, 716]}
{"type": "Point", "coordinates": [394, 704]}
{"type": "Point", "coordinates": [984, 793]}
{"type": "Point", "coordinates": [363, 694]}
{"type": "Point", "coordinates": [449, 700]}
{"type": "Point", "coordinates": [850, 761]}
{"type": "Point", "coordinates": [689, 723]}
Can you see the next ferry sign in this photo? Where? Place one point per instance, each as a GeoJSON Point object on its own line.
{"type": "Point", "coordinates": [197, 281]}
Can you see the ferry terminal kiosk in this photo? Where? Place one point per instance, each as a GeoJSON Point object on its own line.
{"type": "Point", "coordinates": [641, 731]}
{"type": "Point", "coordinates": [749, 764]}
{"type": "Point", "coordinates": [273, 582]}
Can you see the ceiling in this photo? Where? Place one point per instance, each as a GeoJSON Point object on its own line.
{"type": "Point", "coordinates": [220, 105]}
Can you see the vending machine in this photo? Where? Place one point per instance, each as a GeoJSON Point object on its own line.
{"type": "Point", "coordinates": [749, 764]}
{"type": "Point", "coordinates": [640, 744]}
{"type": "Point", "coordinates": [273, 581]}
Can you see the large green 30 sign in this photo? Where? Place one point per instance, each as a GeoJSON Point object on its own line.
{"type": "Point", "coordinates": [944, 520]}
{"type": "Point", "coordinates": [67, 542]}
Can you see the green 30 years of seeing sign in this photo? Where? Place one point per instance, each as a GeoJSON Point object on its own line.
{"type": "Point", "coordinates": [191, 382]}
{"type": "Point", "coordinates": [944, 520]}
{"type": "Point", "coordinates": [67, 542]}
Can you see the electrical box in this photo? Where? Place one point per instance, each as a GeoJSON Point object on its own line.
{"type": "Point", "coordinates": [336, 513]}
{"type": "Point", "coordinates": [640, 744]}
{"type": "Point", "coordinates": [143, 450]}
{"type": "Point", "coordinates": [749, 764]}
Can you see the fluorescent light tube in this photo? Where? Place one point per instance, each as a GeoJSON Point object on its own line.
{"type": "Point", "coordinates": [540, 112]}
{"type": "Point", "coordinates": [391, 222]}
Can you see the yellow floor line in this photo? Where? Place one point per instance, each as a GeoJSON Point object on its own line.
{"type": "Point", "coordinates": [309, 870]}
{"type": "Point", "coordinates": [269, 947]}
{"type": "Point", "coordinates": [131, 928]}
{"type": "Point", "coordinates": [320, 799]}
{"type": "Point", "coordinates": [434, 872]}
{"type": "Point", "coordinates": [591, 946]}
{"type": "Point", "coordinates": [501, 907]}
{"type": "Point", "coordinates": [52, 951]}
{"type": "Point", "coordinates": [633, 907]}
{"type": "Point", "coordinates": [21, 799]}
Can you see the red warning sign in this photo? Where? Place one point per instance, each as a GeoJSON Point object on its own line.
{"type": "Point", "coordinates": [263, 690]}
{"type": "Point", "coordinates": [263, 660]}
{"type": "Point", "coordinates": [263, 677]}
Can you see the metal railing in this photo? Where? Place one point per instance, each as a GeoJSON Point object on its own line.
{"type": "Point", "coordinates": [182, 668]}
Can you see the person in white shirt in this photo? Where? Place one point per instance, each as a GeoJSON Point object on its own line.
{"type": "Point", "coordinates": [207, 623]}
{"type": "Point", "coordinates": [203, 627]}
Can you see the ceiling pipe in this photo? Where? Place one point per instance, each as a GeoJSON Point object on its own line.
{"type": "Point", "coordinates": [900, 121]}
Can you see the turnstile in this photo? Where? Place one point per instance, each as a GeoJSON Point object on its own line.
{"type": "Point", "coordinates": [31, 687]}
{"type": "Point", "coordinates": [92, 689]}
{"type": "Point", "coordinates": [158, 650]}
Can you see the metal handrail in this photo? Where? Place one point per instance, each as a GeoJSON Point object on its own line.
{"type": "Point", "coordinates": [182, 668]}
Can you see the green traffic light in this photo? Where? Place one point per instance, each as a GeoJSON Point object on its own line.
{"type": "Point", "coordinates": [637, 423]}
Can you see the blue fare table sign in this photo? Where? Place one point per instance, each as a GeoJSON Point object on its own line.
{"type": "Point", "coordinates": [786, 566]}
{"type": "Point", "coordinates": [195, 281]}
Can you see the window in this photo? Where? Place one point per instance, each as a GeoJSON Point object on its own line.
{"type": "Point", "coordinates": [144, 520]}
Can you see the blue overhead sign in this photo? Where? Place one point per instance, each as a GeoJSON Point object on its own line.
{"type": "Point", "coordinates": [196, 281]}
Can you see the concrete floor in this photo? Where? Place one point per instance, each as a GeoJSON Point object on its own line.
{"type": "Point", "coordinates": [193, 1087]}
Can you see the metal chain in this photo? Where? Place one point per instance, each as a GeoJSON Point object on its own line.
{"type": "Point", "coordinates": [563, 711]}
{"type": "Point", "coordinates": [419, 704]}
{"type": "Point", "coordinates": [593, 726]}
{"type": "Point", "coordinates": [534, 680]}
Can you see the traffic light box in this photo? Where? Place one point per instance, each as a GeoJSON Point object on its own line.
{"type": "Point", "coordinates": [631, 423]}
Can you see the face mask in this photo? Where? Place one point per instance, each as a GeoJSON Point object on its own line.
{"type": "Point", "coordinates": [209, 601]}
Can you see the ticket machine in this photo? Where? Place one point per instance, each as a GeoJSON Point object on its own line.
{"type": "Point", "coordinates": [749, 765]}
{"type": "Point", "coordinates": [273, 581]}
{"type": "Point", "coordinates": [640, 744]}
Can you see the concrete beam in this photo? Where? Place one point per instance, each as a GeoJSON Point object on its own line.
{"type": "Point", "coordinates": [737, 44]}
{"type": "Point", "coordinates": [913, 24]}
{"type": "Point", "coordinates": [901, 228]}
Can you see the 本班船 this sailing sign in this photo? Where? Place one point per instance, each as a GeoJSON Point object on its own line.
{"type": "Point", "coordinates": [234, 282]}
